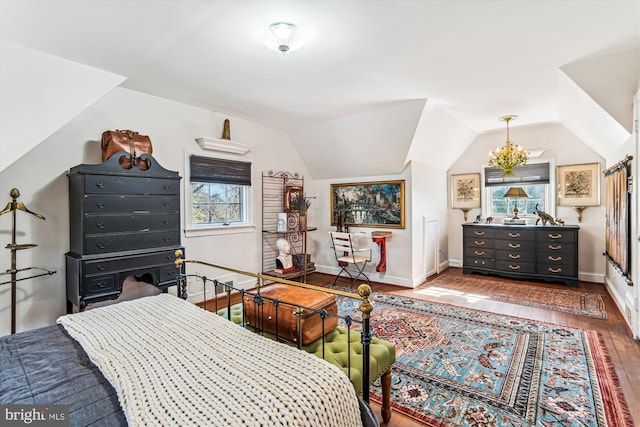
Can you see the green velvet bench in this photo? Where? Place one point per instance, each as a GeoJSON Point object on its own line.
{"type": "Point", "coordinates": [382, 355]}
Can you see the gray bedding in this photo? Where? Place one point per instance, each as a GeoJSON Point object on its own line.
{"type": "Point", "coordinates": [46, 366]}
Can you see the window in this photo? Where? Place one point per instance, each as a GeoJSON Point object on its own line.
{"type": "Point", "coordinates": [533, 178]}
{"type": "Point", "coordinates": [218, 192]}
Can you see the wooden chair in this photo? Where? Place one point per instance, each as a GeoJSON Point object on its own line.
{"type": "Point", "coordinates": [352, 252]}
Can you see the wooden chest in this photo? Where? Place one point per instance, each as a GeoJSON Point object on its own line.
{"type": "Point", "coordinates": [276, 311]}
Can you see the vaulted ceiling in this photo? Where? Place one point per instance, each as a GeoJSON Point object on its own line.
{"type": "Point", "coordinates": [370, 72]}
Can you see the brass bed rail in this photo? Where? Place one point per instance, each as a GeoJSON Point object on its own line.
{"type": "Point", "coordinates": [364, 292]}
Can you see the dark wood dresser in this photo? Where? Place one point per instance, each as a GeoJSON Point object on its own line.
{"type": "Point", "coordinates": [522, 251]}
{"type": "Point", "coordinates": [123, 222]}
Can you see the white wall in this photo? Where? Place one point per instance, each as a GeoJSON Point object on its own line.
{"type": "Point", "coordinates": [399, 247]}
{"type": "Point", "coordinates": [429, 200]}
{"type": "Point", "coordinates": [562, 147]}
{"type": "Point", "coordinates": [40, 175]}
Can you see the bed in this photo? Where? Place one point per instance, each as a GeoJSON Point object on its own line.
{"type": "Point", "coordinates": [163, 361]}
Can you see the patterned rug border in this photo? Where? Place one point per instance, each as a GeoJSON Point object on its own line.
{"type": "Point", "coordinates": [602, 313]}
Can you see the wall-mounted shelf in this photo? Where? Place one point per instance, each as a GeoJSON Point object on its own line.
{"type": "Point", "coordinates": [223, 145]}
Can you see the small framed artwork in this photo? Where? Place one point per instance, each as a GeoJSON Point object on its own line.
{"type": "Point", "coordinates": [290, 194]}
{"type": "Point", "coordinates": [465, 191]}
{"type": "Point", "coordinates": [579, 185]}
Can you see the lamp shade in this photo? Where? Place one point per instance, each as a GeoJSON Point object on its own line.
{"type": "Point", "coordinates": [516, 192]}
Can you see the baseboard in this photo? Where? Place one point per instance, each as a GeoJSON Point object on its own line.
{"type": "Point", "coordinates": [455, 263]}
{"type": "Point", "coordinates": [374, 276]}
{"type": "Point", "coordinates": [591, 277]}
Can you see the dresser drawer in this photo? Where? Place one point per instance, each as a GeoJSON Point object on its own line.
{"type": "Point", "coordinates": [479, 253]}
{"type": "Point", "coordinates": [516, 266]}
{"type": "Point", "coordinates": [108, 265]}
{"type": "Point", "coordinates": [478, 242]}
{"type": "Point", "coordinates": [99, 204]}
{"type": "Point", "coordinates": [515, 245]}
{"type": "Point", "coordinates": [104, 284]}
{"type": "Point", "coordinates": [556, 236]}
{"type": "Point", "coordinates": [515, 255]}
{"type": "Point", "coordinates": [557, 270]}
{"type": "Point", "coordinates": [106, 184]}
{"type": "Point", "coordinates": [167, 273]}
{"type": "Point", "coordinates": [515, 234]}
{"type": "Point", "coordinates": [106, 243]}
{"type": "Point", "coordinates": [478, 262]}
{"type": "Point", "coordinates": [479, 232]}
{"type": "Point", "coordinates": [556, 258]}
{"type": "Point", "coordinates": [553, 248]}
{"type": "Point", "coordinates": [101, 224]}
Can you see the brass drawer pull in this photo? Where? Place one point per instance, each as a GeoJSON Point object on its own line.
{"type": "Point", "coordinates": [514, 235]}
{"type": "Point", "coordinates": [514, 246]}
{"type": "Point", "coordinates": [514, 267]}
{"type": "Point", "coordinates": [555, 270]}
{"type": "Point", "coordinates": [554, 247]}
{"type": "Point", "coordinates": [479, 233]}
{"type": "Point", "coordinates": [554, 236]}
{"type": "Point", "coordinates": [479, 253]}
{"type": "Point", "coordinates": [554, 258]}
{"type": "Point", "coordinates": [479, 262]}
{"type": "Point", "coordinates": [479, 243]}
{"type": "Point", "coordinates": [512, 256]}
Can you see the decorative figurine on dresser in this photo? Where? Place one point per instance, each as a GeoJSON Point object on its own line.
{"type": "Point", "coordinates": [540, 252]}
{"type": "Point", "coordinates": [123, 222]}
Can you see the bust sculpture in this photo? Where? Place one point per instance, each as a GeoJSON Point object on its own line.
{"type": "Point", "coordinates": [284, 259]}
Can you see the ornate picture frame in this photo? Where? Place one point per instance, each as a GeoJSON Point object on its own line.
{"type": "Point", "coordinates": [465, 191]}
{"type": "Point", "coordinates": [578, 185]}
{"type": "Point", "coordinates": [369, 204]}
{"type": "Point", "coordinates": [291, 192]}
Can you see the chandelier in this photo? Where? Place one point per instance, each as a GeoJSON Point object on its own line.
{"type": "Point", "coordinates": [509, 156]}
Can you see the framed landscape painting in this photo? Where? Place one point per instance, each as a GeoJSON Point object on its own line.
{"type": "Point", "coordinates": [368, 204]}
{"type": "Point", "coordinates": [579, 185]}
{"type": "Point", "coordinates": [465, 191]}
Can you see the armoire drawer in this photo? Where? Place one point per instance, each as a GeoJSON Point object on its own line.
{"type": "Point", "coordinates": [104, 284]}
{"type": "Point", "coordinates": [106, 243]}
{"type": "Point", "coordinates": [105, 184]}
{"type": "Point", "coordinates": [119, 223]}
{"type": "Point", "coordinates": [111, 204]}
{"type": "Point", "coordinates": [107, 265]}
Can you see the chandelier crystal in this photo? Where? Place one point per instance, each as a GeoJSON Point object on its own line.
{"type": "Point", "coordinates": [509, 156]}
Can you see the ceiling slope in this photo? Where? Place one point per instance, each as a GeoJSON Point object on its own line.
{"type": "Point", "coordinates": [366, 144]}
{"type": "Point", "coordinates": [40, 94]}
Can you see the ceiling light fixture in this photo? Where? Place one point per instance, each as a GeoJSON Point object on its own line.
{"type": "Point", "coordinates": [282, 37]}
{"type": "Point", "coordinates": [509, 156]}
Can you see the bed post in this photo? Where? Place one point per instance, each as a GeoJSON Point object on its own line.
{"type": "Point", "coordinates": [365, 307]}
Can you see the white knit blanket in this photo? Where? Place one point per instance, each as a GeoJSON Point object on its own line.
{"type": "Point", "coordinates": [173, 363]}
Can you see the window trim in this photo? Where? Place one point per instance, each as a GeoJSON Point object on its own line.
{"type": "Point", "coordinates": [550, 192]}
{"type": "Point", "coordinates": [191, 230]}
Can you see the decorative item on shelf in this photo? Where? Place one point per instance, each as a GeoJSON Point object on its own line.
{"type": "Point", "coordinates": [509, 156]}
{"type": "Point", "coordinates": [223, 144]}
{"type": "Point", "coordinates": [284, 260]}
{"type": "Point", "coordinates": [226, 130]}
{"type": "Point", "coordinates": [300, 203]}
{"type": "Point", "coordinates": [282, 222]}
{"type": "Point", "coordinates": [115, 141]}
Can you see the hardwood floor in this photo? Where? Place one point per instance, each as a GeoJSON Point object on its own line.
{"type": "Point", "coordinates": [623, 350]}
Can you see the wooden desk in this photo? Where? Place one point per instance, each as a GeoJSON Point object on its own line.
{"type": "Point", "coordinates": [380, 237]}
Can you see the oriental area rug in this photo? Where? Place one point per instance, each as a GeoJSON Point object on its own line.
{"type": "Point", "coordinates": [565, 300]}
{"type": "Point", "coordinates": [464, 367]}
